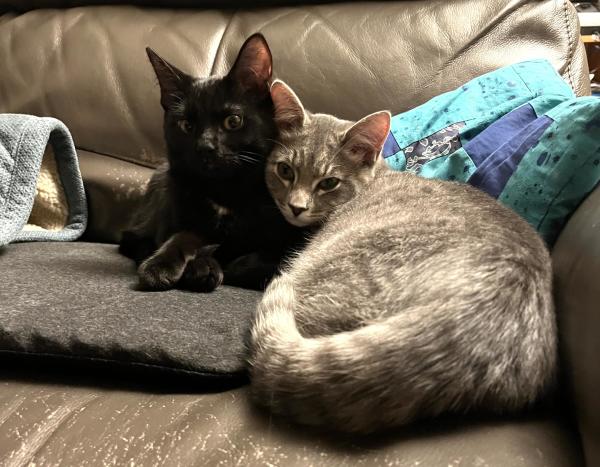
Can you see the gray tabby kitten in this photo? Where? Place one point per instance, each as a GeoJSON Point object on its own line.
{"type": "Point", "coordinates": [416, 297]}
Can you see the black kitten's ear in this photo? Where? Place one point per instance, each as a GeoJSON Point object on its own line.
{"type": "Point", "coordinates": [173, 82]}
{"type": "Point", "coordinates": [253, 66]}
{"type": "Point", "coordinates": [289, 112]}
{"type": "Point", "coordinates": [364, 141]}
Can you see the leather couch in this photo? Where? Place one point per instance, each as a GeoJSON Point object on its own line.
{"type": "Point", "coordinates": [84, 63]}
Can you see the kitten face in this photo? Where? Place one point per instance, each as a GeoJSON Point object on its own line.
{"type": "Point", "coordinates": [218, 125]}
{"type": "Point", "coordinates": [320, 162]}
{"type": "Point", "coordinates": [216, 128]}
{"type": "Point", "coordinates": [307, 176]}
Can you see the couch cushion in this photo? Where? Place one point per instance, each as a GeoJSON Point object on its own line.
{"type": "Point", "coordinates": [78, 300]}
{"type": "Point", "coordinates": [64, 421]}
{"type": "Point", "coordinates": [87, 67]}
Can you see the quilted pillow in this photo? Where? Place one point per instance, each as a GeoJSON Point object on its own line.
{"type": "Point", "coordinates": [518, 133]}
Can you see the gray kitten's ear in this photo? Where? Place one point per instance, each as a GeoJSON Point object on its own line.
{"type": "Point", "coordinates": [289, 112]}
{"type": "Point", "coordinates": [253, 66]}
{"type": "Point", "coordinates": [173, 82]}
{"type": "Point", "coordinates": [364, 141]}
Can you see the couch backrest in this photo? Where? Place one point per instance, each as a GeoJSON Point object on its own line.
{"type": "Point", "coordinates": [87, 65]}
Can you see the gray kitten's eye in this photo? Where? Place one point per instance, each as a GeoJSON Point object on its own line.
{"type": "Point", "coordinates": [185, 126]}
{"type": "Point", "coordinates": [285, 171]}
{"type": "Point", "coordinates": [233, 122]}
{"type": "Point", "coordinates": [328, 184]}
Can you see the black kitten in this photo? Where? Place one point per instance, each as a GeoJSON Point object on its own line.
{"type": "Point", "coordinates": [207, 216]}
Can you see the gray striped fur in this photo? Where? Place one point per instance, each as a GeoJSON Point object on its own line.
{"type": "Point", "coordinates": [416, 297]}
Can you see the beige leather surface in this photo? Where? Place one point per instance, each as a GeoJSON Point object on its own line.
{"type": "Point", "coordinates": [113, 187]}
{"type": "Point", "coordinates": [52, 424]}
{"type": "Point", "coordinates": [577, 264]}
{"type": "Point", "coordinates": [24, 5]}
{"type": "Point", "coordinates": [87, 66]}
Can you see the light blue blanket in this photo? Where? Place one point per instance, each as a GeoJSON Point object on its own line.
{"type": "Point", "coordinates": [23, 141]}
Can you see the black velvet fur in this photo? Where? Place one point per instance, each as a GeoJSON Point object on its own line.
{"type": "Point", "coordinates": [207, 216]}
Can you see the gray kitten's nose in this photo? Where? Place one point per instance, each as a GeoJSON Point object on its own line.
{"type": "Point", "coordinates": [297, 210]}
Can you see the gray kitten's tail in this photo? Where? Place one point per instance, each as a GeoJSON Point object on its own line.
{"type": "Point", "coordinates": [415, 364]}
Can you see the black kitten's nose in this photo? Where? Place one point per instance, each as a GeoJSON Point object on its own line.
{"type": "Point", "coordinates": [205, 148]}
{"type": "Point", "coordinates": [296, 210]}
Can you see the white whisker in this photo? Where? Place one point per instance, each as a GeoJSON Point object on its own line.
{"type": "Point", "coordinates": [280, 144]}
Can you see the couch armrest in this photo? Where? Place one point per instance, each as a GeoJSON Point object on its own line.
{"type": "Point", "coordinates": [576, 259]}
{"type": "Point", "coordinates": [113, 188]}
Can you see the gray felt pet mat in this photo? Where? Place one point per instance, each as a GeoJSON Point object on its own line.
{"type": "Point", "coordinates": [78, 300]}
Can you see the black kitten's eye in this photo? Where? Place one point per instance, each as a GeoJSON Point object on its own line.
{"type": "Point", "coordinates": [328, 184]}
{"type": "Point", "coordinates": [233, 122]}
{"type": "Point", "coordinates": [185, 126]}
{"type": "Point", "coordinates": [285, 171]}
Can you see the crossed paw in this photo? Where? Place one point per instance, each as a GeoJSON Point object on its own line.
{"type": "Point", "coordinates": [163, 272]}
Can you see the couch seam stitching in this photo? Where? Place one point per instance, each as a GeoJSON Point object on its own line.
{"type": "Point", "coordinates": [570, 44]}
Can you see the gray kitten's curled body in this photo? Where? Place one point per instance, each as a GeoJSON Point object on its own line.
{"type": "Point", "coordinates": [417, 297]}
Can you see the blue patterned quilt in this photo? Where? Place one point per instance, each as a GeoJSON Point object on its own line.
{"type": "Point", "coordinates": [518, 133]}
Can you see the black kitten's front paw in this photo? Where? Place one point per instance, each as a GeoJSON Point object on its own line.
{"type": "Point", "coordinates": [160, 272]}
{"type": "Point", "coordinates": [202, 274]}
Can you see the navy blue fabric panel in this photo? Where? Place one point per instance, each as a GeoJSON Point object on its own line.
{"type": "Point", "coordinates": [495, 135]}
{"type": "Point", "coordinates": [493, 174]}
{"type": "Point", "coordinates": [390, 146]}
{"type": "Point", "coordinates": [441, 143]}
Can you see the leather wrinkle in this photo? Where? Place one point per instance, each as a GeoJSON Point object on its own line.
{"type": "Point", "coordinates": [190, 45]}
{"type": "Point", "coordinates": [220, 48]}
{"type": "Point", "coordinates": [114, 76]}
{"type": "Point", "coordinates": [131, 414]}
{"type": "Point", "coordinates": [12, 52]}
{"type": "Point", "coordinates": [57, 53]}
{"type": "Point", "coordinates": [356, 57]}
{"type": "Point", "coordinates": [30, 447]}
{"type": "Point", "coordinates": [12, 407]}
{"type": "Point", "coordinates": [232, 18]}
{"type": "Point", "coordinates": [279, 17]}
{"type": "Point", "coordinates": [492, 23]}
